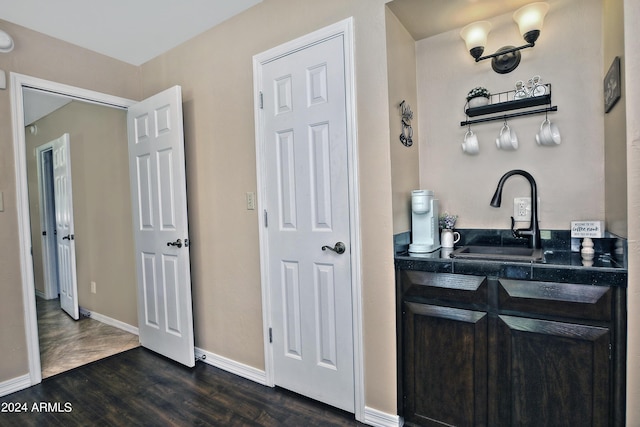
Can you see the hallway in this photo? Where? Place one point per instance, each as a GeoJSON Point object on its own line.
{"type": "Point", "coordinates": [66, 344]}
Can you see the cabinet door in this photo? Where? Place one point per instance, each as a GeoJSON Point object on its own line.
{"type": "Point", "coordinates": [445, 366]}
{"type": "Point", "coordinates": [551, 373]}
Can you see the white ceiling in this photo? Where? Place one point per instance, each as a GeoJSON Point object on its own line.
{"type": "Point", "coordinates": [132, 31]}
{"type": "Point", "coordinates": [135, 31]}
{"type": "Point", "coordinates": [426, 18]}
{"type": "Point", "coordinates": [38, 104]}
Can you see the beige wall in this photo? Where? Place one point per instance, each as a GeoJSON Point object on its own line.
{"type": "Point", "coordinates": [615, 131]}
{"type": "Point", "coordinates": [570, 176]}
{"type": "Point", "coordinates": [48, 58]}
{"type": "Point", "coordinates": [632, 88]}
{"type": "Point", "coordinates": [405, 161]}
{"type": "Point", "coordinates": [215, 71]}
{"type": "Point", "coordinates": [101, 205]}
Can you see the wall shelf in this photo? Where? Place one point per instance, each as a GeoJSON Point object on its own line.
{"type": "Point", "coordinates": [506, 101]}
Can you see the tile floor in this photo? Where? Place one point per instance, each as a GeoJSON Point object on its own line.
{"type": "Point", "coordinates": [66, 343]}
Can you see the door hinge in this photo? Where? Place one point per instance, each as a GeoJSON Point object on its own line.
{"type": "Point", "coordinates": [266, 219]}
{"type": "Point", "coordinates": [610, 351]}
{"type": "Point", "coordinates": [261, 101]}
{"type": "Point", "coordinates": [270, 335]}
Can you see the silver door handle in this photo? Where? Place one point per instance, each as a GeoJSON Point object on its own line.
{"type": "Point", "coordinates": [177, 243]}
{"type": "Point", "coordinates": [339, 248]}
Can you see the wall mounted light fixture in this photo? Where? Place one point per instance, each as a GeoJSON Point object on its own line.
{"type": "Point", "coordinates": [6, 42]}
{"type": "Point", "coordinates": [529, 19]}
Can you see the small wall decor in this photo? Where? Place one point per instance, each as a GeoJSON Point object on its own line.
{"type": "Point", "coordinates": [612, 89]}
{"type": "Point", "coordinates": [407, 132]}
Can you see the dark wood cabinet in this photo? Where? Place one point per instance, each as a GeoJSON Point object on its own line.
{"type": "Point", "coordinates": [445, 365]}
{"type": "Point", "coordinates": [479, 351]}
{"type": "Point", "coordinates": [551, 373]}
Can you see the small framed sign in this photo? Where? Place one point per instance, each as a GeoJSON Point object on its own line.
{"type": "Point", "coordinates": [612, 89]}
{"type": "Point", "coordinates": [587, 229]}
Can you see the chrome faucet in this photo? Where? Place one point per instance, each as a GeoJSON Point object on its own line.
{"type": "Point", "coordinates": [533, 231]}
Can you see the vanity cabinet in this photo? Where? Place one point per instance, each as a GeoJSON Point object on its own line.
{"type": "Point", "coordinates": [478, 351]}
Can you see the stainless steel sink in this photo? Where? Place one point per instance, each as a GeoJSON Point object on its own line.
{"type": "Point", "coordinates": [498, 253]}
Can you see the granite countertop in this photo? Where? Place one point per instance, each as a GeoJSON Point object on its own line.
{"type": "Point", "coordinates": [559, 264]}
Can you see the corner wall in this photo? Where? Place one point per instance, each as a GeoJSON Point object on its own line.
{"type": "Point", "coordinates": [573, 65]}
{"type": "Point", "coordinates": [615, 129]}
{"type": "Point", "coordinates": [632, 68]}
{"type": "Point", "coordinates": [405, 161]}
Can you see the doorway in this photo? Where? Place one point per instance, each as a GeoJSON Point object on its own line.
{"type": "Point", "coordinates": [110, 233]}
{"type": "Point", "coordinates": [91, 224]}
{"type": "Point", "coordinates": [66, 341]}
{"type": "Point", "coordinates": [44, 158]}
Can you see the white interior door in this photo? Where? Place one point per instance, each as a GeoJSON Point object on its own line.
{"type": "Point", "coordinates": [307, 203]}
{"type": "Point", "coordinates": [65, 239]}
{"type": "Point", "coordinates": [158, 183]}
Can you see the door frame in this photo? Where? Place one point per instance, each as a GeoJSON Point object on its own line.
{"type": "Point", "coordinates": [342, 29]}
{"type": "Point", "coordinates": [18, 83]}
{"type": "Point", "coordinates": [48, 246]}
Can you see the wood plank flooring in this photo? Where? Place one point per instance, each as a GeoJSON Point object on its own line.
{"type": "Point", "coordinates": [140, 388]}
{"type": "Point", "coordinates": [66, 343]}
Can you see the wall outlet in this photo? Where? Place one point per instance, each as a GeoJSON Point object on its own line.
{"type": "Point", "coordinates": [93, 287]}
{"type": "Point", "coordinates": [522, 209]}
{"type": "Point", "coordinates": [251, 201]}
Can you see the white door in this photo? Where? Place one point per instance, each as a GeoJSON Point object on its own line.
{"type": "Point", "coordinates": [158, 187]}
{"type": "Point", "coordinates": [65, 242]}
{"type": "Point", "coordinates": [307, 204]}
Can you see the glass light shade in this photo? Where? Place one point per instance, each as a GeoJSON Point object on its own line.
{"type": "Point", "coordinates": [530, 17]}
{"type": "Point", "coordinates": [6, 42]}
{"type": "Point", "coordinates": [475, 34]}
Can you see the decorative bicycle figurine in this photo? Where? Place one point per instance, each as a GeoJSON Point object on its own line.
{"type": "Point", "coordinates": [533, 87]}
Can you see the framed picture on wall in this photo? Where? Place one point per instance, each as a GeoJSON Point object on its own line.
{"type": "Point", "coordinates": [612, 85]}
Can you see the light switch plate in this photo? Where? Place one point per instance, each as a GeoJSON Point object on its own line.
{"type": "Point", "coordinates": [251, 200]}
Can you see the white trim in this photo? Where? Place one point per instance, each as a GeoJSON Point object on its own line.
{"type": "Point", "coordinates": [109, 321]}
{"type": "Point", "coordinates": [373, 417]}
{"type": "Point", "coordinates": [345, 29]}
{"type": "Point", "coordinates": [237, 368]}
{"type": "Point", "coordinates": [18, 81]}
{"type": "Point", "coordinates": [15, 384]}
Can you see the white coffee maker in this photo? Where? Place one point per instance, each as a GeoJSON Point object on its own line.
{"type": "Point", "coordinates": [425, 236]}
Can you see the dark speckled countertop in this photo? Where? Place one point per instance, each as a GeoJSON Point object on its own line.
{"type": "Point", "coordinates": [560, 263]}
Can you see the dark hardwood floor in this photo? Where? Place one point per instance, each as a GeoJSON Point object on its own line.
{"type": "Point", "coordinates": [141, 388]}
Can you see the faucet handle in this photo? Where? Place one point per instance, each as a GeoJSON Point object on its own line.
{"type": "Point", "coordinates": [513, 228]}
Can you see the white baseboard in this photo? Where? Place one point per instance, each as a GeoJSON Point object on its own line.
{"type": "Point", "coordinates": [109, 321]}
{"type": "Point", "coordinates": [40, 294]}
{"type": "Point", "coordinates": [15, 384]}
{"type": "Point", "coordinates": [373, 417]}
{"type": "Point", "coordinates": [237, 368]}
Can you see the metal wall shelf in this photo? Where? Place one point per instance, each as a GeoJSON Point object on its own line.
{"type": "Point", "coordinates": [506, 101]}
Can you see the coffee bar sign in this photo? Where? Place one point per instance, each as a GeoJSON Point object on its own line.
{"type": "Point", "coordinates": [593, 229]}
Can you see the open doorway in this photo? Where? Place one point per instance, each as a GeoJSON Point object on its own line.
{"type": "Point", "coordinates": [105, 271]}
